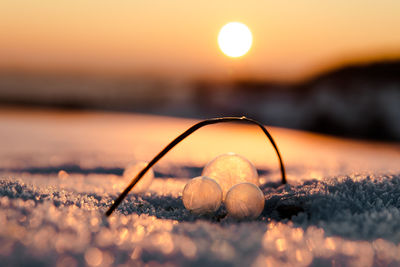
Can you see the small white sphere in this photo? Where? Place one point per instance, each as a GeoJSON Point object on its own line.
{"type": "Point", "coordinates": [230, 169]}
{"type": "Point", "coordinates": [202, 195]}
{"type": "Point", "coordinates": [144, 183]}
{"type": "Point", "coordinates": [244, 201]}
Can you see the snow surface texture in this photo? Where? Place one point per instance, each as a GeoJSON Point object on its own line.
{"type": "Point", "coordinates": [347, 220]}
{"type": "Point", "coordinates": [60, 172]}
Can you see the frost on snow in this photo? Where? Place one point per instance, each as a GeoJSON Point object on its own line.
{"type": "Point", "coordinates": [348, 220]}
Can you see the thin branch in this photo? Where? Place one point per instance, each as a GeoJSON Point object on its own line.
{"type": "Point", "coordinates": [185, 134]}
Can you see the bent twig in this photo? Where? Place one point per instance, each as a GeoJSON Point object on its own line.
{"type": "Point", "coordinates": [185, 134]}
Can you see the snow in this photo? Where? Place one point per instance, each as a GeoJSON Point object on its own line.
{"type": "Point", "coordinates": [344, 219]}
{"type": "Point", "coordinates": [60, 171]}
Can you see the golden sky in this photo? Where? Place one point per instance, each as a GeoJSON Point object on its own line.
{"type": "Point", "coordinates": [177, 38]}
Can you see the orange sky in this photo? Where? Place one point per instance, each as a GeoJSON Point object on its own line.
{"type": "Point", "coordinates": [179, 38]}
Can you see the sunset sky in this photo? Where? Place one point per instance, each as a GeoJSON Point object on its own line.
{"type": "Point", "coordinates": [178, 38]}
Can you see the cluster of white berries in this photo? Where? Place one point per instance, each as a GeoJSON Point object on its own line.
{"type": "Point", "coordinates": [229, 178]}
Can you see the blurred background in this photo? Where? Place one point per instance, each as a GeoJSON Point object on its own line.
{"type": "Point", "coordinates": [324, 66]}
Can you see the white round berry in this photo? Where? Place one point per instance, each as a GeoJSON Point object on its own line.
{"type": "Point", "coordinates": [230, 169]}
{"type": "Point", "coordinates": [202, 195]}
{"type": "Point", "coordinates": [244, 201]}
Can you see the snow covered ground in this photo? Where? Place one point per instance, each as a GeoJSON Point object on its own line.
{"type": "Point", "coordinates": [60, 171]}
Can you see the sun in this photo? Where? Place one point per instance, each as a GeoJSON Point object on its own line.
{"type": "Point", "coordinates": [235, 39]}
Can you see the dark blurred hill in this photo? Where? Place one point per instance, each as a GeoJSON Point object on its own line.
{"type": "Point", "coordinates": [360, 101]}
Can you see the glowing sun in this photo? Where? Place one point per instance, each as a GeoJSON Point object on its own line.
{"type": "Point", "coordinates": [235, 39]}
